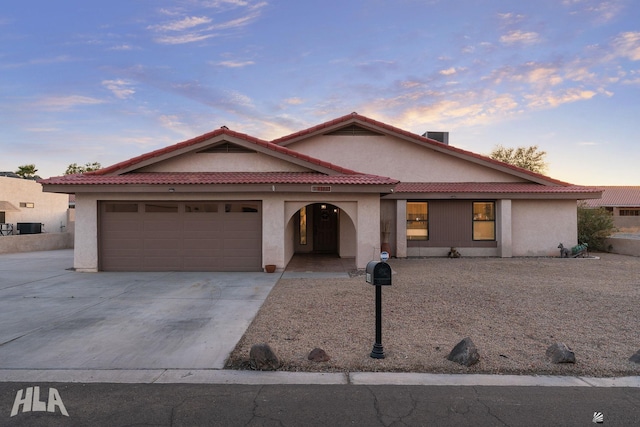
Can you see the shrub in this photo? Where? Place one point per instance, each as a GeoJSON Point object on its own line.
{"type": "Point", "coordinates": [594, 225]}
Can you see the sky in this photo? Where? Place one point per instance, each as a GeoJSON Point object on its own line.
{"type": "Point", "coordinates": [103, 81]}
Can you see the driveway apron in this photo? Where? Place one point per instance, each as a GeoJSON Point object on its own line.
{"type": "Point", "coordinates": [55, 318]}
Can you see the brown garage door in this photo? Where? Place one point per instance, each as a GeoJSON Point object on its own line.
{"type": "Point", "coordinates": [180, 236]}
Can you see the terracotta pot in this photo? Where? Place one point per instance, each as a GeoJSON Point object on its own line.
{"type": "Point", "coordinates": [270, 268]}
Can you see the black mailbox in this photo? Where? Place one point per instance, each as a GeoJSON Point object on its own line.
{"type": "Point", "coordinates": [378, 273]}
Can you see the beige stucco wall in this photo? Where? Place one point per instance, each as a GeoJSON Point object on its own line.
{"type": "Point", "coordinates": [35, 242]}
{"type": "Point", "coordinates": [410, 162]}
{"type": "Point", "coordinates": [49, 209]}
{"type": "Point", "coordinates": [539, 226]}
{"type": "Point", "coordinates": [224, 162]}
{"type": "Point", "coordinates": [278, 210]}
{"type": "Point", "coordinates": [623, 246]}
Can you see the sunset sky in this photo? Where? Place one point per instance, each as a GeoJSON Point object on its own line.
{"type": "Point", "coordinates": [97, 81]}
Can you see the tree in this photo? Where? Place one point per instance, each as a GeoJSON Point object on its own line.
{"type": "Point", "coordinates": [594, 225]}
{"type": "Point", "coordinates": [73, 168]}
{"type": "Point", "coordinates": [524, 157]}
{"type": "Point", "coordinates": [27, 171]}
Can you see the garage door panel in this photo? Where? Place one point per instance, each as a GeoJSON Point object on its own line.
{"type": "Point", "coordinates": [122, 263]}
{"type": "Point", "coordinates": [160, 263]}
{"type": "Point", "coordinates": [181, 236]}
{"type": "Point", "coordinates": [240, 264]}
{"type": "Point", "coordinates": [195, 246]}
{"type": "Point", "coordinates": [203, 264]}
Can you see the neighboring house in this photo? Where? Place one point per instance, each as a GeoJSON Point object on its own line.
{"type": "Point", "coordinates": [22, 201]}
{"type": "Point", "coordinates": [227, 201]}
{"type": "Point", "coordinates": [624, 204]}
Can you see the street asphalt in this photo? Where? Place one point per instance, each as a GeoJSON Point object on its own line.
{"type": "Point", "coordinates": [149, 348]}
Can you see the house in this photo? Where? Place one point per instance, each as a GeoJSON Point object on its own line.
{"type": "Point", "coordinates": [22, 201]}
{"type": "Point", "coordinates": [227, 201]}
{"type": "Point", "coordinates": [624, 204]}
{"type": "Point", "coordinates": [30, 219]}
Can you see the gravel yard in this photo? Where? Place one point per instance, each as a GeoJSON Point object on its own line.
{"type": "Point", "coordinates": [512, 309]}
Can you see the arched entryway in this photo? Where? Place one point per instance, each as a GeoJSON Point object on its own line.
{"type": "Point", "coordinates": [321, 231]}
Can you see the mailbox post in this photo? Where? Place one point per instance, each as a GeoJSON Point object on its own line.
{"type": "Point", "coordinates": [378, 274]}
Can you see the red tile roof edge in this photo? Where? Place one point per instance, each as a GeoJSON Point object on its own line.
{"type": "Point", "coordinates": [419, 138]}
{"type": "Point", "coordinates": [186, 178]}
{"type": "Point", "coordinates": [198, 139]}
{"type": "Point", "coordinates": [494, 187]}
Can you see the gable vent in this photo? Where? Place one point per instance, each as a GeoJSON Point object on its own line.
{"type": "Point", "coordinates": [227, 147]}
{"type": "Point", "coordinates": [438, 136]}
{"type": "Point", "coordinates": [354, 130]}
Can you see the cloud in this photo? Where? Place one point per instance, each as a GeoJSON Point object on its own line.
{"type": "Point", "coordinates": [122, 47]}
{"type": "Point", "coordinates": [181, 25]}
{"type": "Point", "coordinates": [190, 29]}
{"type": "Point", "coordinates": [555, 99]}
{"type": "Point", "coordinates": [448, 71]}
{"type": "Point", "coordinates": [627, 45]}
{"type": "Point", "coordinates": [120, 88]}
{"type": "Point", "coordinates": [601, 11]}
{"type": "Point", "coordinates": [184, 38]}
{"type": "Point", "coordinates": [520, 37]}
{"type": "Point", "coordinates": [234, 64]}
{"type": "Point", "coordinates": [62, 103]}
{"type": "Point", "coordinates": [294, 101]}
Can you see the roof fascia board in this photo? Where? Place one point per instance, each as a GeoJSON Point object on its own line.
{"type": "Point", "coordinates": [491, 196]}
{"type": "Point", "coordinates": [171, 190]}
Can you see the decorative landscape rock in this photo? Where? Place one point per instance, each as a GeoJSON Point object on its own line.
{"type": "Point", "coordinates": [263, 358]}
{"type": "Point", "coordinates": [464, 353]}
{"type": "Point", "coordinates": [635, 358]}
{"type": "Point", "coordinates": [560, 353]}
{"type": "Point", "coordinates": [318, 355]}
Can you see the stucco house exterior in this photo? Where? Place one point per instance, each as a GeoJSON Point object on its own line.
{"type": "Point", "coordinates": [227, 201]}
{"type": "Point", "coordinates": [623, 201]}
{"type": "Point", "coordinates": [23, 201]}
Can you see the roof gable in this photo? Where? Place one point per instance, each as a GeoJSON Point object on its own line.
{"type": "Point", "coordinates": [384, 129]}
{"type": "Point", "coordinates": [223, 137]}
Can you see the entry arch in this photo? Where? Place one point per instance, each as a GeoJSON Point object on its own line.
{"type": "Point", "coordinates": [346, 227]}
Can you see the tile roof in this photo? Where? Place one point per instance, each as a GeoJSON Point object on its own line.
{"type": "Point", "coordinates": [617, 196]}
{"type": "Point", "coordinates": [211, 178]}
{"type": "Point", "coordinates": [417, 138]}
{"type": "Point", "coordinates": [489, 187]}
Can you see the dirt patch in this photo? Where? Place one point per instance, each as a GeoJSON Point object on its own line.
{"type": "Point", "coordinates": [512, 309]}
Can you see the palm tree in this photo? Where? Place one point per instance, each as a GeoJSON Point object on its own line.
{"type": "Point", "coordinates": [27, 171]}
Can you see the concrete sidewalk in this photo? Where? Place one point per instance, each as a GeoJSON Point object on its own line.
{"type": "Point", "coordinates": [62, 326]}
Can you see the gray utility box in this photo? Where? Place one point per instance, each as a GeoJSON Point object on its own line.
{"type": "Point", "coordinates": [378, 273]}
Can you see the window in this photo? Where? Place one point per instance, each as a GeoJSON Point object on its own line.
{"type": "Point", "coordinates": [629, 212]}
{"type": "Point", "coordinates": [484, 221]}
{"type": "Point", "coordinates": [241, 207]}
{"type": "Point", "coordinates": [200, 207]}
{"type": "Point", "coordinates": [121, 207]}
{"type": "Point", "coordinates": [161, 207]}
{"type": "Point", "coordinates": [417, 221]}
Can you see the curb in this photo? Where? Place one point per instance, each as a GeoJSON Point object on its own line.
{"type": "Point", "coordinates": [222, 376]}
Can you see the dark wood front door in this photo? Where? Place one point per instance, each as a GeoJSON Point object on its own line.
{"type": "Point", "coordinates": [325, 228]}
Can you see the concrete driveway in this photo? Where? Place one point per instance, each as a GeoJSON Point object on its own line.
{"type": "Point", "coordinates": [55, 318]}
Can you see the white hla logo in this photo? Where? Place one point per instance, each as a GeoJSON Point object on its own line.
{"type": "Point", "coordinates": [31, 401]}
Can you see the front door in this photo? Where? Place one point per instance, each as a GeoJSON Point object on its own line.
{"type": "Point", "coordinates": [325, 228]}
